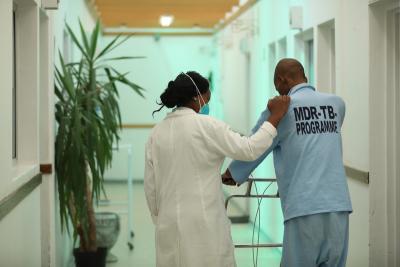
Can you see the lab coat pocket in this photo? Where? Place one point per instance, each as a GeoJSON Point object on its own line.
{"type": "Point", "coordinates": [167, 244]}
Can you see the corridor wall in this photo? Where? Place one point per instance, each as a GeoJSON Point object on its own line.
{"type": "Point", "coordinates": [29, 221]}
{"type": "Point", "coordinates": [23, 65]}
{"type": "Point", "coordinates": [339, 64]}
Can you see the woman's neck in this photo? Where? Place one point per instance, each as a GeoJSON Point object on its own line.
{"type": "Point", "coordinates": [191, 106]}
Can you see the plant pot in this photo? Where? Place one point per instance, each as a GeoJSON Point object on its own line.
{"type": "Point", "coordinates": [90, 259]}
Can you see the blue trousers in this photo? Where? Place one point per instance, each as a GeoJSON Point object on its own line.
{"type": "Point", "coordinates": [319, 240]}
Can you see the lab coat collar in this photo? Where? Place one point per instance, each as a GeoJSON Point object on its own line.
{"type": "Point", "coordinates": [300, 87]}
{"type": "Point", "coordinates": [181, 111]}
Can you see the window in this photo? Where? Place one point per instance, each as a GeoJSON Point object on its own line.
{"type": "Point", "coordinates": [14, 87]}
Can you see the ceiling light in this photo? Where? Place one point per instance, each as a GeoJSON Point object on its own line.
{"type": "Point", "coordinates": [228, 15]}
{"type": "Point", "coordinates": [242, 2]}
{"type": "Point", "coordinates": [166, 20]}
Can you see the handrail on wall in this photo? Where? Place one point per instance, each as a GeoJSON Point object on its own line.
{"type": "Point", "coordinates": [8, 203]}
{"type": "Point", "coordinates": [137, 126]}
{"type": "Point", "coordinates": [356, 174]}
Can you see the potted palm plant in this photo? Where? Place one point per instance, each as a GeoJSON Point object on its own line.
{"type": "Point", "coordinates": [88, 123]}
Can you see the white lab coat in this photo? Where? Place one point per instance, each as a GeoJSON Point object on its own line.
{"type": "Point", "coordinates": [182, 182]}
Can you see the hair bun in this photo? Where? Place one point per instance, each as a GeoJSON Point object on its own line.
{"type": "Point", "coordinates": [171, 84]}
{"type": "Point", "coordinates": [169, 98]}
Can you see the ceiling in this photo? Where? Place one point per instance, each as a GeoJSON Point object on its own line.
{"type": "Point", "coordinates": [146, 13]}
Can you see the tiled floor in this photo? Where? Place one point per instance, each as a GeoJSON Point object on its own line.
{"type": "Point", "coordinates": [143, 254]}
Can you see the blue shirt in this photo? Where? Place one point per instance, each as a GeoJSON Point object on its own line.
{"type": "Point", "coordinates": [307, 155]}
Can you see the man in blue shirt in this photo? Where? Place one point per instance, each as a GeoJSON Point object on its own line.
{"type": "Point", "coordinates": [310, 173]}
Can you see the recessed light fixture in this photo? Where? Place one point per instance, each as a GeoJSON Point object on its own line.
{"type": "Point", "coordinates": [228, 15]}
{"type": "Point", "coordinates": [166, 20]}
{"type": "Point", "coordinates": [242, 2]}
{"type": "Point", "coordinates": [235, 9]}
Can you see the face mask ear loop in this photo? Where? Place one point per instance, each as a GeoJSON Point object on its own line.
{"type": "Point", "coordinates": [198, 91]}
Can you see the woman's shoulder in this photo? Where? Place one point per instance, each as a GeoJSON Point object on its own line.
{"type": "Point", "coordinates": [207, 119]}
{"type": "Point", "coordinates": [154, 130]}
{"type": "Point", "coordinates": [211, 123]}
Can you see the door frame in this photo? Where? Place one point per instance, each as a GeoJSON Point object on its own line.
{"type": "Point", "coordinates": [384, 188]}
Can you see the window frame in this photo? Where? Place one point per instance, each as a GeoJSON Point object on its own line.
{"type": "Point", "coordinates": [310, 60]}
{"type": "Point", "coordinates": [305, 52]}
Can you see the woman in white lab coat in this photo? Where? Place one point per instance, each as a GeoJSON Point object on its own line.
{"type": "Point", "coordinates": [182, 182]}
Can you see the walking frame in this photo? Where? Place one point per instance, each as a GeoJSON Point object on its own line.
{"type": "Point", "coordinates": [129, 204]}
{"type": "Point", "coordinates": [248, 194]}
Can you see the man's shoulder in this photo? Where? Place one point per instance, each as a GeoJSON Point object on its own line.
{"type": "Point", "coordinates": [265, 113]}
{"type": "Point", "coordinates": [335, 99]}
{"type": "Point", "coordinates": [320, 97]}
{"type": "Point", "coordinates": [330, 96]}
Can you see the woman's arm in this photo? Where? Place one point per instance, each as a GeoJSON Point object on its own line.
{"type": "Point", "coordinates": [235, 146]}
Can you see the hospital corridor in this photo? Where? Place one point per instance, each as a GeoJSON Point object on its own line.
{"type": "Point", "coordinates": [188, 133]}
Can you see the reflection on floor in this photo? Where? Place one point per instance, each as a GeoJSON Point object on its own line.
{"type": "Point", "coordinates": [143, 254]}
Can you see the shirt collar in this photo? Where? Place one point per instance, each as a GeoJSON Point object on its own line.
{"type": "Point", "coordinates": [181, 111]}
{"type": "Point", "coordinates": [299, 87]}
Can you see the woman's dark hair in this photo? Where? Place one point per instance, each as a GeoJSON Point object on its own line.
{"type": "Point", "coordinates": [182, 90]}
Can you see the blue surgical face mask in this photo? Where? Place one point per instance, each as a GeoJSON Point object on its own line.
{"type": "Point", "coordinates": [205, 110]}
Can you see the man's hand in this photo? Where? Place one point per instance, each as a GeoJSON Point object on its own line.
{"type": "Point", "coordinates": [278, 106]}
{"type": "Point", "coordinates": [227, 178]}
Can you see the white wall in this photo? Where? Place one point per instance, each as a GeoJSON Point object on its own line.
{"type": "Point", "coordinates": [21, 243]}
{"type": "Point", "coordinates": [20, 234]}
{"type": "Point", "coordinates": [164, 59]}
{"type": "Point", "coordinates": [28, 232]}
{"type": "Point", "coordinates": [271, 20]}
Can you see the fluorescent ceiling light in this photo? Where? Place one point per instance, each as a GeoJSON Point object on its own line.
{"type": "Point", "coordinates": [166, 20]}
{"type": "Point", "coordinates": [242, 2]}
